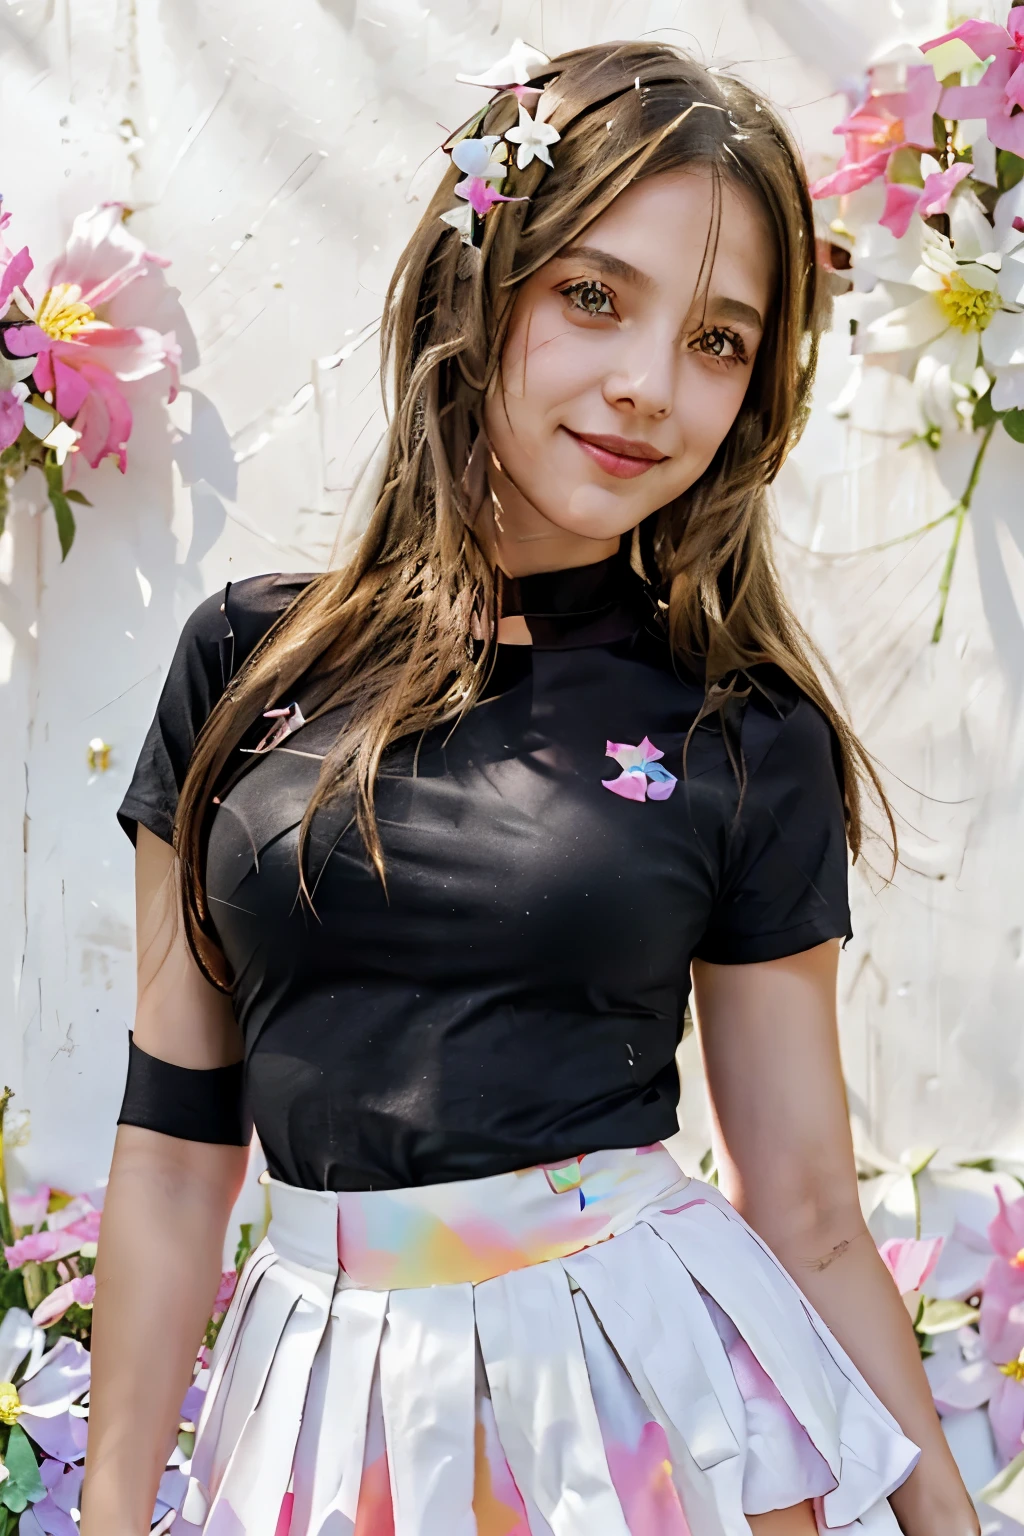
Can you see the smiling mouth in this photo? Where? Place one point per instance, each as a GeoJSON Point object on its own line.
{"type": "Point", "coordinates": [618, 456]}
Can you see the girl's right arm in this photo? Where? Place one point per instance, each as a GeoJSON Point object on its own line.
{"type": "Point", "coordinates": [164, 1220]}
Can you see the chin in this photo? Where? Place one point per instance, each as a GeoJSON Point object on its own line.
{"type": "Point", "coordinates": [595, 513]}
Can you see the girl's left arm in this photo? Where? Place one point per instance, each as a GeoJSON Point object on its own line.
{"type": "Point", "coordinates": [784, 1151]}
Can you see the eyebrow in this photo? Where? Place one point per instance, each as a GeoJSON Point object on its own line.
{"type": "Point", "coordinates": [614, 266]}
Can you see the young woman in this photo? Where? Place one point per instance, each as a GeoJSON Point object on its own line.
{"type": "Point", "coordinates": [548, 747]}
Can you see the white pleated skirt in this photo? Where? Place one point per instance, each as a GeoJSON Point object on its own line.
{"type": "Point", "coordinates": [603, 1348]}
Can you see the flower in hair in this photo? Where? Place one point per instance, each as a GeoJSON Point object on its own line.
{"type": "Point", "coordinates": [485, 162]}
{"type": "Point", "coordinates": [533, 134]}
{"type": "Point", "coordinates": [513, 72]}
{"type": "Point", "coordinates": [460, 218]}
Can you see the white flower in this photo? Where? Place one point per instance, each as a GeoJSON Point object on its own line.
{"type": "Point", "coordinates": [515, 68]}
{"type": "Point", "coordinates": [533, 134]}
{"type": "Point", "coordinates": [485, 157]}
{"type": "Point", "coordinates": [460, 218]}
{"type": "Point", "coordinates": [964, 291]}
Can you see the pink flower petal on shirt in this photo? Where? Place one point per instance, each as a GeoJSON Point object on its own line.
{"type": "Point", "coordinates": [650, 753]}
{"type": "Point", "coordinates": [660, 789]}
{"type": "Point", "coordinates": [631, 786]}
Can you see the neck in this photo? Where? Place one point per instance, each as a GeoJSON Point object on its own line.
{"type": "Point", "coordinates": [523, 542]}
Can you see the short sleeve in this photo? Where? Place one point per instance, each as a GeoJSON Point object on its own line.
{"type": "Point", "coordinates": [784, 886]}
{"type": "Point", "coordinates": [216, 638]}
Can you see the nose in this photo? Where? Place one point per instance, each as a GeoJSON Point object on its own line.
{"type": "Point", "coordinates": [643, 383]}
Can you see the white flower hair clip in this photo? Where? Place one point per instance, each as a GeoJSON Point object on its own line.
{"type": "Point", "coordinates": [485, 159]}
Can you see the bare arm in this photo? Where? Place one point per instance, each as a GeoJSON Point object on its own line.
{"type": "Point", "coordinates": [785, 1157]}
{"type": "Point", "coordinates": [164, 1220]}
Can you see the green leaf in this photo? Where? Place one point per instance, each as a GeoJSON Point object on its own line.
{"type": "Point", "coordinates": [54, 473]}
{"type": "Point", "coordinates": [244, 1248]}
{"type": "Point", "coordinates": [945, 1315]}
{"type": "Point", "coordinates": [73, 495]}
{"type": "Point", "coordinates": [905, 167]}
{"type": "Point", "coordinates": [1009, 169]}
{"type": "Point", "coordinates": [1013, 421]}
{"type": "Point", "coordinates": [984, 412]}
{"type": "Point", "coordinates": [24, 1485]}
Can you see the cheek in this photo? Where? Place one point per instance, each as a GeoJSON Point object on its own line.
{"type": "Point", "coordinates": [710, 400]}
{"type": "Point", "coordinates": [546, 364]}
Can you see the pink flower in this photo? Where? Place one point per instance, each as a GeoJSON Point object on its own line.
{"type": "Point", "coordinates": [225, 1291]}
{"type": "Point", "coordinates": [12, 419]}
{"type": "Point", "coordinates": [902, 201]}
{"type": "Point", "coordinates": [14, 266]}
{"type": "Point", "coordinates": [1000, 89]}
{"type": "Point", "coordinates": [38, 1247]}
{"type": "Point", "coordinates": [642, 775]}
{"type": "Point", "coordinates": [30, 1210]}
{"type": "Point", "coordinates": [994, 1372]}
{"type": "Point", "coordinates": [884, 122]}
{"type": "Point", "coordinates": [911, 1260]}
{"type": "Point", "coordinates": [84, 353]}
{"type": "Point", "coordinates": [81, 1290]}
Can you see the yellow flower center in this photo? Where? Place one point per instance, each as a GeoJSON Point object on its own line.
{"type": "Point", "coordinates": [967, 308]}
{"type": "Point", "coordinates": [62, 313]}
{"type": "Point", "coordinates": [10, 1403]}
{"type": "Point", "coordinates": [1014, 1368]}
{"type": "Point", "coordinates": [1017, 1262]}
{"type": "Point", "coordinates": [892, 133]}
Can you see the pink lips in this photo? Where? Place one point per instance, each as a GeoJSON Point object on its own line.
{"type": "Point", "coordinates": [619, 456]}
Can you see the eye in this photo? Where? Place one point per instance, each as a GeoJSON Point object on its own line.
{"type": "Point", "coordinates": [589, 296]}
{"type": "Point", "coordinates": [718, 343]}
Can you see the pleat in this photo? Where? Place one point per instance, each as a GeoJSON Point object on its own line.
{"type": "Point", "coordinates": [755, 1292]}
{"type": "Point", "coordinates": [238, 1381]}
{"type": "Point", "coordinates": [329, 1455]}
{"type": "Point", "coordinates": [543, 1406]}
{"type": "Point", "coordinates": [649, 1309]}
{"type": "Point", "coordinates": [256, 1477]}
{"type": "Point", "coordinates": [428, 1391]}
{"type": "Point", "coordinates": [639, 1455]}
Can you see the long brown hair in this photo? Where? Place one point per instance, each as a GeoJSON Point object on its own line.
{"type": "Point", "coordinates": [390, 636]}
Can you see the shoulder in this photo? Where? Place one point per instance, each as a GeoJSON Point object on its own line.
{"type": "Point", "coordinates": [790, 747]}
{"type": "Point", "coordinates": [225, 627]}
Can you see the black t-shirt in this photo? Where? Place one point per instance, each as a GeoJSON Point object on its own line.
{"type": "Point", "coordinates": [517, 995]}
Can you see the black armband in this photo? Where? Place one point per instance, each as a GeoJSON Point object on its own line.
{"type": "Point", "coordinates": [194, 1104]}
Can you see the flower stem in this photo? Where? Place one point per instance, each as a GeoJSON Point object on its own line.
{"type": "Point", "coordinates": [959, 513]}
{"type": "Point", "coordinates": [6, 1225]}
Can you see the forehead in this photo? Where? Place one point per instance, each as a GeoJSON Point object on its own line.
{"type": "Point", "coordinates": [670, 224]}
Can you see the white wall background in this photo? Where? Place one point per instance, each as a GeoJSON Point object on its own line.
{"type": "Point", "coordinates": [279, 155]}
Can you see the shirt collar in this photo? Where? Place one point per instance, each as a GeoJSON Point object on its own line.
{"type": "Point", "coordinates": [583, 605]}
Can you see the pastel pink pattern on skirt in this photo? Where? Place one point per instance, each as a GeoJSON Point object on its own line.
{"type": "Point", "coordinates": [599, 1347]}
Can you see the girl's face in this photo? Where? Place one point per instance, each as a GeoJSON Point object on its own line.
{"type": "Point", "coordinates": [622, 371]}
